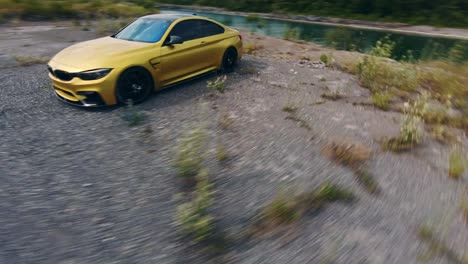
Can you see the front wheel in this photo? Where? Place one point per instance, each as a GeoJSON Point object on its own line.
{"type": "Point", "coordinates": [134, 86]}
{"type": "Point", "coordinates": [229, 60]}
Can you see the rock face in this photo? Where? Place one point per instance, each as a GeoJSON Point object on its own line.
{"type": "Point", "coordinates": [7, 61]}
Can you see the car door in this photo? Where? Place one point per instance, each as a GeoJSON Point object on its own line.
{"type": "Point", "coordinates": [211, 36]}
{"type": "Point", "coordinates": [183, 59]}
{"type": "Point", "coordinates": [197, 54]}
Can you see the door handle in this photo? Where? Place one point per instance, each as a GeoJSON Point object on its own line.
{"type": "Point", "coordinates": [203, 42]}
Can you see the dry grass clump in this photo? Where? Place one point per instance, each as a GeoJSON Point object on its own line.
{"type": "Point", "coordinates": [441, 133]}
{"type": "Point", "coordinates": [456, 164]}
{"type": "Point", "coordinates": [347, 153]}
{"type": "Point", "coordinates": [252, 48]}
{"type": "Point", "coordinates": [287, 208]}
{"type": "Point", "coordinates": [382, 100]}
{"type": "Point", "coordinates": [332, 95]}
{"type": "Point", "coordinates": [411, 127]}
{"type": "Point", "coordinates": [225, 121]}
{"type": "Point", "coordinates": [289, 109]}
{"type": "Point", "coordinates": [354, 156]}
{"type": "Point", "coordinates": [31, 60]}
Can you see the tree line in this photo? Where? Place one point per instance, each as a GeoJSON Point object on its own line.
{"type": "Point", "coordinates": [434, 12]}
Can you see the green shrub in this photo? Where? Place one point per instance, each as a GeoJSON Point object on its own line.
{"type": "Point", "coordinates": [456, 164]}
{"type": "Point", "coordinates": [382, 100]}
{"type": "Point", "coordinates": [193, 216]}
{"type": "Point", "coordinates": [218, 84]}
{"type": "Point", "coordinates": [286, 208]}
{"type": "Point", "coordinates": [331, 193]}
{"type": "Point", "coordinates": [459, 52]}
{"type": "Point", "coordinates": [281, 210]}
{"type": "Point", "coordinates": [252, 18]}
{"type": "Point", "coordinates": [324, 59]}
{"type": "Point", "coordinates": [342, 38]}
{"type": "Point", "coordinates": [189, 153]}
{"type": "Point", "coordinates": [291, 33]}
{"type": "Point", "coordinates": [221, 153]}
{"type": "Point", "coordinates": [132, 116]}
{"type": "Point", "coordinates": [411, 126]}
{"type": "Point", "coordinates": [383, 48]}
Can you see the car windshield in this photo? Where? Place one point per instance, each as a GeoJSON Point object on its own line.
{"type": "Point", "coordinates": [144, 30]}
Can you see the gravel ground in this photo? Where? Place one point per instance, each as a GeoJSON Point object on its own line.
{"type": "Point", "coordinates": [80, 186]}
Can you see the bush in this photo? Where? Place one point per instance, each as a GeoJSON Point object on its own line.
{"type": "Point", "coordinates": [324, 59]}
{"type": "Point", "coordinates": [411, 126]}
{"type": "Point", "coordinates": [456, 164]}
{"type": "Point", "coordinates": [189, 153]}
{"type": "Point", "coordinates": [193, 216]}
{"type": "Point", "coordinates": [252, 18]}
{"type": "Point", "coordinates": [218, 84]}
{"type": "Point", "coordinates": [281, 210]}
{"type": "Point", "coordinates": [382, 100]}
{"type": "Point", "coordinates": [342, 38]}
{"type": "Point", "coordinates": [291, 33]}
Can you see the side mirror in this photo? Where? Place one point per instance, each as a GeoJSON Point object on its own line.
{"type": "Point", "coordinates": [174, 40]}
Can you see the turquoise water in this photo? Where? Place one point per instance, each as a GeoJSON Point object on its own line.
{"type": "Point", "coordinates": [419, 47]}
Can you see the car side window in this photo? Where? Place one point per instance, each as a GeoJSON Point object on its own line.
{"type": "Point", "coordinates": [195, 28]}
{"type": "Point", "coordinates": [187, 30]}
{"type": "Point", "coordinates": [208, 28]}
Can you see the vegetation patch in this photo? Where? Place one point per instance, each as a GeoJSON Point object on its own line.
{"type": "Point", "coordinates": [332, 95]}
{"type": "Point", "coordinates": [292, 34]}
{"type": "Point", "coordinates": [132, 116]}
{"type": "Point", "coordinates": [225, 121]}
{"type": "Point", "coordinates": [301, 122]}
{"type": "Point", "coordinates": [457, 164]}
{"type": "Point", "coordinates": [354, 156]}
{"type": "Point", "coordinates": [193, 216]}
{"type": "Point", "coordinates": [382, 100]}
{"type": "Point", "coordinates": [74, 9]}
{"type": "Point", "coordinates": [218, 84]}
{"type": "Point", "coordinates": [464, 206]}
{"type": "Point", "coordinates": [252, 48]}
{"type": "Point", "coordinates": [441, 134]}
{"type": "Point", "coordinates": [289, 109]}
{"type": "Point", "coordinates": [190, 152]}
{"type": "Point", "coordinates": [411, 127]}
{"type": "Point", "coordinates": [439, 247]}
{"type": "Point", "coordinates": [286, 209]}
{"type": "Point", "coordinates": [221, 153]}
{"type": "Point", "coordinates": [31, 60]}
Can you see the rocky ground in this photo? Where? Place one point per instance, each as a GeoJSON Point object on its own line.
{"type": "Point", "coordinates": [81, 186]}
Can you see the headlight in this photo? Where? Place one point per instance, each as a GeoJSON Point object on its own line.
{"type": "Point", "coordinates": [93, 74]}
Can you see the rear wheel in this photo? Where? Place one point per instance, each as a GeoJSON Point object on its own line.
{"type": "Point", "coordinates": [229, 60]}
{"type": "Point", "coordinates": [134, 86]}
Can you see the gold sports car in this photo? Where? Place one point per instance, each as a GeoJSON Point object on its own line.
{"type": "Point", "coordinates": [150, 53]}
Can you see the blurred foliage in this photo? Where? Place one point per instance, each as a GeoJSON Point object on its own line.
{"type": "Point", "coordinates": [74, 9]}
{"type": "Point", "coordinates": [435, 12]}
{"type": "Point", "coordinates": [345, 39]}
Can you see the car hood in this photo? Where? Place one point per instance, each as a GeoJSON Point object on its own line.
{"type": "Point", "coordinates": [104, 52]}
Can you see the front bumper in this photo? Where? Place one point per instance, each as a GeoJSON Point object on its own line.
{"type": "Point", "coordinates": [78, 92]}
{"type": "Point", "coordinates": [85, 102]}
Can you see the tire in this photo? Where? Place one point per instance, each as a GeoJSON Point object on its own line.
{"type": "Point", "coordinates": [133, 86]}
{"type": "Point", "coordinates": [229, 60]}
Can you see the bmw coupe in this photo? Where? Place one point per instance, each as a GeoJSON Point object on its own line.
{"type": "Point", "coordinates": [149, 54]}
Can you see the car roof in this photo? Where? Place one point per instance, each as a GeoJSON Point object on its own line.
{"type": "Point", "coordinates": [171, 17]}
